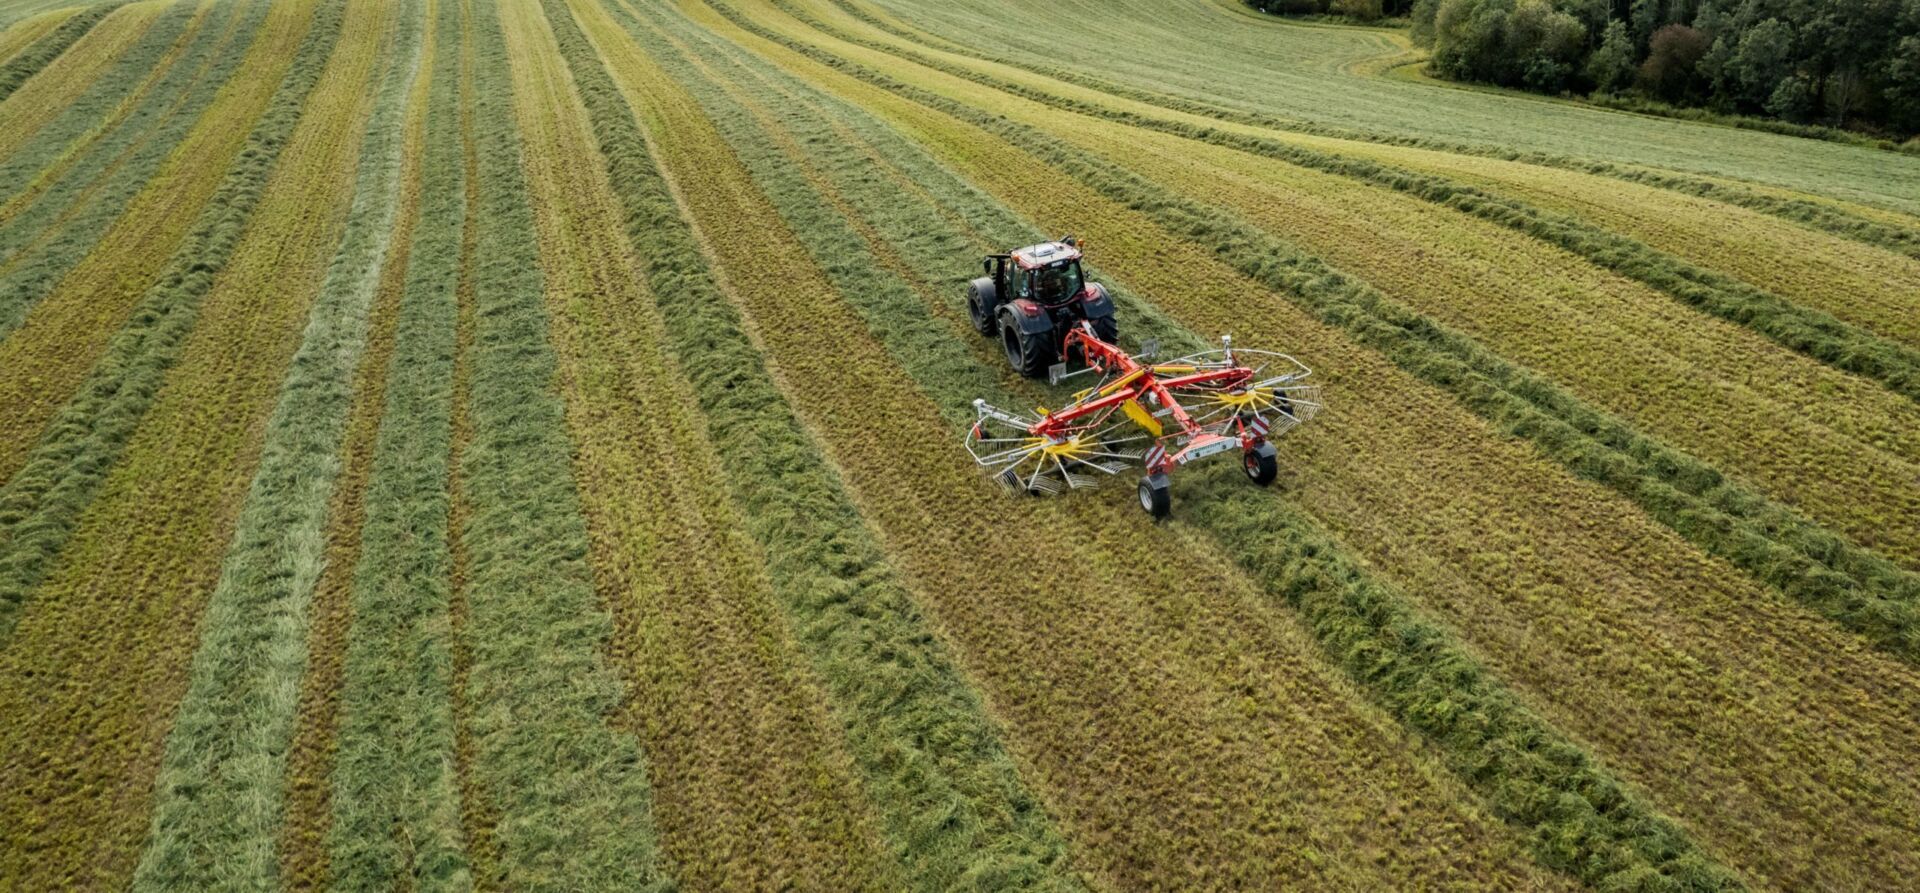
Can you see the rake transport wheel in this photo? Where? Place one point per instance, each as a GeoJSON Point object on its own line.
{"type": "Point", "coordinates": [1261, 463]}
{"type": "Point", "coordinates": [1028, 352]}
{"type": "Point", "coordinates": [1156, 495]}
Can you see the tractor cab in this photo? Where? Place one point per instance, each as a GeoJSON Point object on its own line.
{"type": "Point", "coordinates": [1048, 274]}
{"type": "Point", "coordinates": [1031, 297]}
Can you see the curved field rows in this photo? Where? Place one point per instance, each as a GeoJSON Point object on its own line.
{"type": "Point", "coordinates": [19, 35]}
{"type": "Point", "coordinates": [1486, 557]}
{"type": "Point", "coordinates": [109, 639]}
{"type": "Point", "coordinates": [61, 83]}
{"type": "Point", "coordinates": [516, 445]}
{"type": "Point", "coordinates": [1214, 755]}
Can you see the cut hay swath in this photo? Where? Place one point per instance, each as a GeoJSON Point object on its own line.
{"type": "Point", "coordinates": [453, 444]}
{"type": "Point", "coordinates": [123, 663]}
{"type": "Point", "coordinates": [1480, 479]}
{"type": "Point", "coordinates": [752, 788]}
{"type": "Point", "coordinates": [218, 799]}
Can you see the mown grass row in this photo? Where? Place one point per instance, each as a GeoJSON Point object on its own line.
{"type": "Point", "coordinates": [217, 802]}
{"type": "Point", "coordinates": [395, 806]}
{"type": "Point", "coordinates": [1820, 215]}
{"type": "Point", "coordinates": [952, 801]}
{"type": "Point", "coordinates": [18, 35]}
{"type": "Point", "coordinates": [1853, 586]}
{"type": "Point", "coordinates": [111, 645]}
{"type": "Point", "coordinates": [40, 503]}
{"type": "Point", "coordinates": [311, 752]}
{"type": "Point", "coordinates": [1840, 448]}
{"type": "Point", "coordinates": [1813, 332]}
{"type": "Point", "coordinates": [1581, 838]}
{"type": "Point", "coordinates": [1861, 284]}
{"type": "Point", "coordinates": [69, 201]}
{"type": "Point", "coordinates": [1524, 587]}
{"type": "Point", "coordinates": [571, 794]}
{"type": "Point", "coordinates": [61, 171]}
{"type": "Point", "coordinates": [941, 363]}
{"type": "Point", "coordinates": [85, 92]}
{"type": "Point", "coordinates": [75, 325]}
{"type": "Point", "coordinates": [34, 57]}
{"type": "Point", "coordinates": [75, 75]}
{"type": "Point", "coordinates": [752, 785]}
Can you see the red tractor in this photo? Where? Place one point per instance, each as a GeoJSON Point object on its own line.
{"type": "Point", "coordinates": [1159, 415]}
{"type": "Point", "coordinates": [1032, 297]}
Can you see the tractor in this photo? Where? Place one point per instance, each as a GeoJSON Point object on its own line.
{"type": "Point", "coordinates": [1160, 416]}
{"type": "Point", "coordinates": [1032, 297]}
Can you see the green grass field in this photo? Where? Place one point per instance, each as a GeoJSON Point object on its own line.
{"type": "Point", "coordinates": [517, 445]}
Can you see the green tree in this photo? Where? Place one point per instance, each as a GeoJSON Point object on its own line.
{"type": "Point", "coordinates": [1611, 67]}
{"type": "Point", "coordinates": [1543, 44]}
{"type": "Point", "coordinates": [1763, 61]}
{"type": "Point", "coordinates": [1792, 98]}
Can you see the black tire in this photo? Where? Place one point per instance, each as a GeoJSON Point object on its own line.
{"type": "Point", "coordinates": [1028, 354]}
{"type": "Point", "coordinates": [1107, 329]}
{"type": "Point", "coordinates": [1156, 495]}
{"type": "Point", "coordinates": [1262, 464]}
{"type": "Point", "coordinates": [982, 303]}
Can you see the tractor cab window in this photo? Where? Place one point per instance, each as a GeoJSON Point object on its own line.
{"type": "Point", "coordinates": [1057, 283]}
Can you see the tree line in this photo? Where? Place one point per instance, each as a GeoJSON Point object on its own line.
{"type": "Point", "coordinates": [1843, 63]}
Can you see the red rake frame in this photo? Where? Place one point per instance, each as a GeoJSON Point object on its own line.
{"type": "Point", "coordinates": [1210, 402]}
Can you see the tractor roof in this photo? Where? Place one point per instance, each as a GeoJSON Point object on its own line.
{"type": "Point", "coordinates": [1044, 253]}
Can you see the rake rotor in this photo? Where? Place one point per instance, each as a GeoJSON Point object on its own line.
{"type": "Point", "coordinates": [1159, 416]}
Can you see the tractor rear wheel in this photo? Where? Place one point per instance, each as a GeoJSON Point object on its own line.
{"type": "Point", "coordinates": [1028, 354]}
{"type": "Point", "coordinates": [1156, 495]}
{"type": "Point", "coordinates": [1107, 329]}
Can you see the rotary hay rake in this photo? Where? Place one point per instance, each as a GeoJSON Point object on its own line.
{"type": "Point", "coordinates": [1161, 416]}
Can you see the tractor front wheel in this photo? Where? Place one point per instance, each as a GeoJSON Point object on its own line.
{"type": "Point", "coordinates": [1156, 495]}
{"type": "Point", "coordinates": [1028, 354]}
{"type": "Point", "coordinates": [980, 307]}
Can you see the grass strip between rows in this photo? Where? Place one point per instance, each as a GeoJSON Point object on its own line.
{"type": "Point", "coordinates": [396, 804]}
{"type": "Point", "coordinates": [40, 505]}
{"type": "Point", "coordinates": [1580, 819]}
{"type": "Point", "coordinates": [1812, 332]}
{"type": "Point", "coordinates": [1837, 221]}
{"type": "Point", "coordinates": [49, 47]}
{"type": "Point", "coordinates": [1851, 585]}
{"type": "Point", "coordinates": [955, 810]}
{"type": "Point", "coordinates": [571, 794]}
{"type": "Point", "coordinates": [219, 793]}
